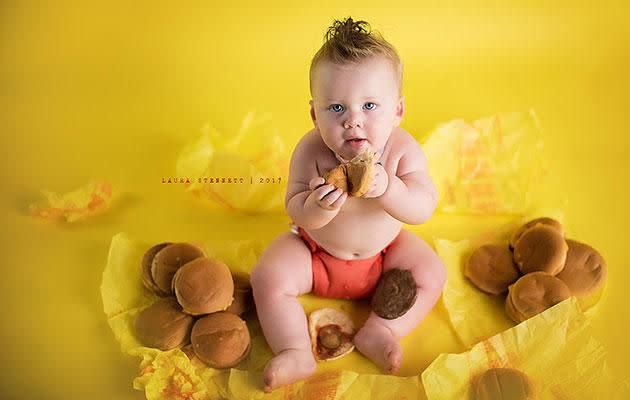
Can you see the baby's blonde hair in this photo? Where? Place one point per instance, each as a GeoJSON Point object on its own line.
{"type": "Point", "coordinates": [350, 42]}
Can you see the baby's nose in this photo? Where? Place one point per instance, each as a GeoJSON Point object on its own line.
{"type": "Point", "coordinates": [353, 123]}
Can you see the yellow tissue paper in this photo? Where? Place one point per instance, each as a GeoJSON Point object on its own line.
{"type": "Point", "coordinates": [555, 349]}
{"type": "Point", "coordinates": [172, 375]}
{"type": "Point", "coordinates": [245, 171]}
{"type": "Point", "coordinates": [90, 199]}
{"type": "Point", "coordinates": [490, 166]}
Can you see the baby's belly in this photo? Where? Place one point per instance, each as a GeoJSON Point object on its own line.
{"type": "Point", "coordinates": [358, 231]}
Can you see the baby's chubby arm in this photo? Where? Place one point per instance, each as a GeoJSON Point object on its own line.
{"type": "Point", "coordinates": [411, 196]}
{"type": "Point", "coordinates": [309, 202]}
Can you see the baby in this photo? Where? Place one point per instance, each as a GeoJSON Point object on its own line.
{"type": "Point", "coordinates": [341, 245]}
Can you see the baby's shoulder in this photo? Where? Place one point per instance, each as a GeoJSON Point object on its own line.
{"type": "Point", "coordinates": [310, 145]}
{"type": "Point", "coordinates": [405, 151]}
{"type": "Point", "coordinates": [311, 139]}
{"type": "Point", "coordinates": [402, 142]}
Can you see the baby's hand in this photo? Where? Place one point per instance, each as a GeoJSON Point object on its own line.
{"type": "Point", "coordinates": [379, 181]}
{"type": "Point", "coordinates": [327, 196]}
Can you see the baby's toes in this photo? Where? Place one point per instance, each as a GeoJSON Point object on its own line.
{"type": "Point", "coordinates": [393, 355]}
{"type": "Point", "coordinates": [269, 379]}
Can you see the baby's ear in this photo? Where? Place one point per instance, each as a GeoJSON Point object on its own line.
{"type": "Point", "coordinates": [400, 110]}
{"type": "Point", "coordinates": [313, 113]}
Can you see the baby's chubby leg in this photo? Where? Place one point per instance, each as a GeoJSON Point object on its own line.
{"type": "Point", "coordinates": [284, 272]}
{"type": "Point", "coordinates": [379, 338]}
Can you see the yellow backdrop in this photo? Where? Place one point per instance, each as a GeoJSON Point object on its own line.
{"type": "Point", "coordinates": [114, 90]}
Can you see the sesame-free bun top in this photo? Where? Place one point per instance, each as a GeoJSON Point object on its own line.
{"type": "Point", "coordinates": [243, 297]}
{"type": "Point", "coordinates": [538, 221]}
{"type": "Point", "coordinates": [503, 384]}
{"type": "Point", "coordinates": [534, 293]}
{"type": "Point", "coordinates": [203, 286]}
{"type": "Point", "coordinates": [163, 325]}
{"type": "Point", "coordinates": [146, 263]}
{"type": "Point", "coordinates": [221, 339]}
{"type": "Point", "coordinates": [585, 270]}
{"type": "Point", "coordinates": [491, 268]}
{"type": "Point", "coordinates": [168, 260]}
{"type": "Point", "coordinates": [541, 248]}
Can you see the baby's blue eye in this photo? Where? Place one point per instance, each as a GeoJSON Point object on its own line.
{"type": "Point", "coordinates": [336, 107]}
{"type": "Point", "coordinates": [369, 106]}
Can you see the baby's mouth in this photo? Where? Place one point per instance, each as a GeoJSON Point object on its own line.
{"type": "Point", "coordinates": [356, 140]}
{"type": "Point", "coordinates": [356, 144]}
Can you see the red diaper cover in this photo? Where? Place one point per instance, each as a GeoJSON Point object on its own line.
{"type": "Point", "coordinates": [343, 279]}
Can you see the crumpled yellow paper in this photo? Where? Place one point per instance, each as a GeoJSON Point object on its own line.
{"type": "Point", "coordinates": [171, 375]}
{"type": "Point", "coordinates": [476, 315]}
{"type": "Point", "coordinates": [251, 165]}
{"type": "Point", "coordinates": [555, 349]}
{"type": "Point", "coordinates": [490, 166]}
{"type": "Point", "coordinates": [90, 199]}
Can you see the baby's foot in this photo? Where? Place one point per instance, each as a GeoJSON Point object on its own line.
{"type": "Point", "coordinates": [378, 343]}
{"type": "Point", "coordinates": [288, 366]}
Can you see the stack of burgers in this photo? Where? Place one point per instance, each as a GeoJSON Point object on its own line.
{"type": "Point", "coordinates": [199, 307]}
{"type": "Point", "coordinates": [538, 269]}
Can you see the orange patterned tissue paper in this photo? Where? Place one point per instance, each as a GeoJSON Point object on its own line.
{"type": "Point", "coordinates": [493, 165]}
{"type": "Point", "coordinates": [88, 200]}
